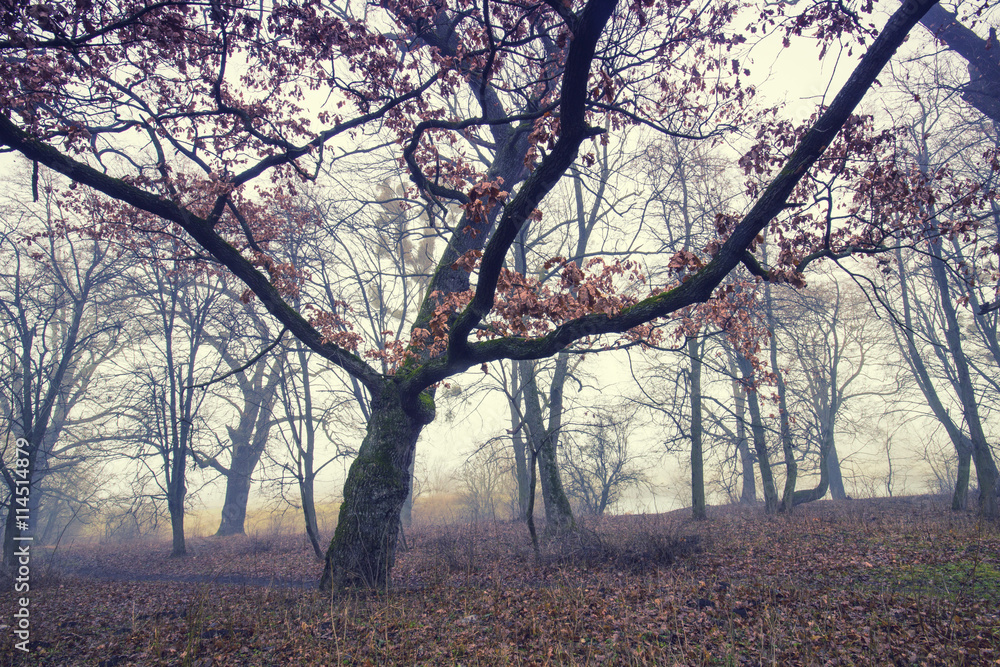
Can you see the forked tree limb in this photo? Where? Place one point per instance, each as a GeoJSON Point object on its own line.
{"type": "Point", "coordinates": [699, 287]}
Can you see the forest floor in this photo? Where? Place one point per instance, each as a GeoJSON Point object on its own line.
{"type": "Point", "coordinates": [860, 582]}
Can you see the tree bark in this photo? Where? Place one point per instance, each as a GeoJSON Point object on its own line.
{"type": "Point", "coordinates": [308, 497]}
{"type": "Point", "coordinates": [406, 515]}
{"type": "Point", "coordinates": [784, 427]}
{"type": "Point", "coordinates": [986, 468]}
{"type": "Point", "coordinates": [249, 439]}
{"type": "Point", "coordinates": [176, 494]}
{"type": "Point", "coordinates": [697, 457]}
{"type": "Point", "coordinates": [545, 441]}
{"type": "Point", "coordinates": [960, 498]}
{"type": "Point", "coordinates": [803, 496]}
{"type": "Point", "coordinates": [759, 440]}
{"type": "Point", "coordinates": [246, 456]}
{"type": "Point", "coordinates": [837, 490]}
{"type": "Point", "coordinates": [748, 492]}
{"type": "Point", "coordinates": [523, 476]}
{"type": "Point", "coordinates": [963, 447]}
{"type": "Point", "coordinates": [983, 57]}
{"type": "Point", "coordinates": [362, 551]}
{"type": "Point", "coordinates": [234, 507]}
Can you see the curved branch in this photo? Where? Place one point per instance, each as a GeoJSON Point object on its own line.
{"type": "Point", "coordinates": [573, 130]}
{"type": "Point", "coordinates": [699, 287]}
{"type": "Point", "coordinates": [202, 232]}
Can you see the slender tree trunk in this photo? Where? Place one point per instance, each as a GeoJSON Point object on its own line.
{"type": "Point", "coordinates": [697, 460]}
{"type": "Point", "coordinates": [960, 497]}
{"type": "Point", "coordinates": [986, 468]}
{"type": "Point", "coordinates": [784, 427]}
{"type": "Point", "coordinates": [760, 441]}
{"type": "Point", "coordinates": [176, 493]}
{"type": "Point", "coordinates": [363, 548]}
{"type": "Point", "coordinates": [530, 514]}
{"type": "Point", "coordinates": [406, 515]}
{"type": "Point", "coordinates": [308, 496]}
{"type": "Point", "coordinates": [523, 476]}
{"type": "Point", "coordinates": [545, 441]}
{"type": "Point", "coordinates": [748, 492]}
{"type": "Point", "coordinates": [963, 446]}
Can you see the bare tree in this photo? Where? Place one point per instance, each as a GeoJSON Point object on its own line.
{"type": "Point", "coordinates": [169, 409]}
{"type": "Point", "coordinates": [61, 314]}
{"type": "Point", "coordinates": [832, 335]}
{"type": "Point", "coordinates": [602, 462]}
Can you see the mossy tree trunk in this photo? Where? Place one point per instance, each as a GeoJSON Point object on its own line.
{"type": "Point", "coordinates": [363, 548]}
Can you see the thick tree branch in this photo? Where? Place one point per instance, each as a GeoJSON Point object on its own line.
{"type": "Point", "coordinates": [983, 90]}
{"type": "Point", "coordinates": [699, 287]}
{"type": "Point", "coordinates": [201, 231]}
{"type": "Point", "coordinates": [573, 130]}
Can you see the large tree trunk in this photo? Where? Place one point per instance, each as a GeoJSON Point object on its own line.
{"type": "Point", "coordinates": [234, 507]}
{"type": "Point", "coordinates": [249, 440]}
{"type": "Point", "coordinates": [363, 548]}
{"type": "Point", "coordinates": [810, 495]}
{"type": "Point", "coordinates": [833, 467]}
{"type": "Point", "coordinates": [697, 458]}
{"type": "Point", "coordinates": [982, 56]}
{"type": "Point", "coordinates": [244, 462]}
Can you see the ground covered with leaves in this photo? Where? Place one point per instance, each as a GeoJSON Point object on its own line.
{"type": "Point", "coordinates": [885, 582]}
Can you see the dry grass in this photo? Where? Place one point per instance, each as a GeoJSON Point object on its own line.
{"type": "Point", "coordinates": [900, 582]}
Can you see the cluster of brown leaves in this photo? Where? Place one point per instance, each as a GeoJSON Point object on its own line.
{"type": "Point", "coordinates": [884, 582]}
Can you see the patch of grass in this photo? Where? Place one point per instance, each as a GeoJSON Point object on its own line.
{"type": "Point", "coordinates": [952, 580]}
